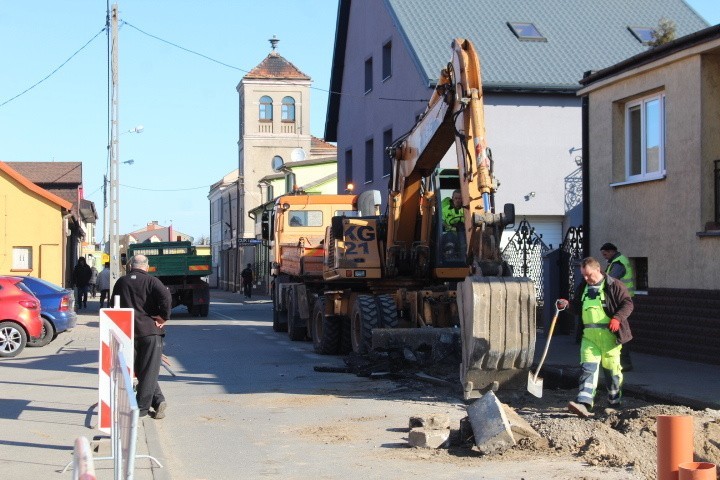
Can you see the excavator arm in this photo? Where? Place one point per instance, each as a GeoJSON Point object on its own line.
{"type": "Point", "coordinates": [496, 310]}
{"type": "Point", "coordinates": [455, 114]}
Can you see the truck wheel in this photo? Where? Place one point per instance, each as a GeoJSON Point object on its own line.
{"type": "Point", "coordinates": [279, 320]}
{"type": "Point", "coordinates": [325, 330]}
{"type": "Point", "coordinates": [204, 310]}
{"type": "Point", "coordinates": [12, 339]}
{"type": "Point", "coordinates": [388, 311]}
{"type": "Point", "coordinates": [363, 319]}
{"type": "Point", "coordinates": [345, 336]}
{"type": "Point", "coordinates": [296, 331]}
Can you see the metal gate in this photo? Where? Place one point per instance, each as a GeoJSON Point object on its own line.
{"type": "Point", "coordinates": [524, 253]}
{"type": "Point", "coordinates": [571, 251]}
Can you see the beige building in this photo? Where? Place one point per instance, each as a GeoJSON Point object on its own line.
{"type": "Point", "coordinates": [652, 177]}
{"type": "Point", "coordinates": [274, 113]}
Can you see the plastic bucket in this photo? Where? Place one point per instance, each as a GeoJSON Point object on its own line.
{"type": "Point", "coordinates": [697, 471]}
{"type": "Point", "coordinates": [674, 444]}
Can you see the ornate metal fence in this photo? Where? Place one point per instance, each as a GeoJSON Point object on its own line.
{"type": "Point", "coordinates": [524, 253]}
{"type": "Point", "coordinates": [570, 257]}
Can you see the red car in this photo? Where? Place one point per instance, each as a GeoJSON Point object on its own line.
{"type": "Point", "coordinates": [19, 316]}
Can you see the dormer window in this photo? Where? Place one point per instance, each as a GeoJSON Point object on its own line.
{"type": "Point", "coordinates": [526, 32]}
{"type": "Point", "coordinates": [643, 35]}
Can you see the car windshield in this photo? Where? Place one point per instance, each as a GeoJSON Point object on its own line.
{"type": "Point", "coordinates": [42, 287]}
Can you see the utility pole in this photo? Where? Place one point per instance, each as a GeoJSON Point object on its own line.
{"type": "Point", "coordinates": [114, 151]}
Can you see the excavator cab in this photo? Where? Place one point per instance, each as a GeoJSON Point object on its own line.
{"type": "Point", "coordinates": [450, 243]}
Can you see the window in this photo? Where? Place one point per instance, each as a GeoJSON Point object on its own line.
{"type": "Point", "coordinates": [387, 141]}
{"type": "Point", "coordinates": [527, 32]}
{"type": "Point", "coordinates": [348, 167]}
{"type": "Point", "coordinates": [368, 75]}
{"type": "Point", "coordinates": [369, 146]}
{"type": "Point", "coordinates": [387, 60]}
{"type": "Point", "coordinates": [643, 35]}
{"type": "Point", "coordinates": [645, 138]}
{"type": "Point", "coordinates": [305, 218]}
{"type": "Point", "coordinates": [22, 258]}
{"type": "Point", "coordinates": [288, 109]}
{"type": "Point", "coordinates": [266, 113]}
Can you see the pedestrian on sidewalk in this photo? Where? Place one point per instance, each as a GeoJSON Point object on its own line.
{"type": "Point", "coordinates": [247, 280]}
{"type": "Point", "coordinates": [152, 303]}
{"type": "Point", "coordinates": [604, 305]}
{"type": "Point", "coordinates": [619, 267]}
{"type": "Point", "coordinates": [92, 286]}
{"type": "Point", "coordinates": [103, 284]}
{"type": "Point", "coordinates": [81, 280]}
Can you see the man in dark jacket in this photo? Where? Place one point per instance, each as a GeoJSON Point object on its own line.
{"type": "Point", "coordinates": [81, 281]}
{"type": "Point", "coordinates": [152, 303]}
{"type": "Point", "coordinates": [604, 305]}
{"type": "Point", "coordinates": [247, 280]}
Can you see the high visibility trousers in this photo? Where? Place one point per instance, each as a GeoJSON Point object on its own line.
{"type": "Point", "coordinates": [598, 349]}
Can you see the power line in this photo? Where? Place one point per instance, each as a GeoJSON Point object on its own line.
{"type": "Point", "coordinates": [54, 71]}
{"type": "Point", "coordinates": [164, 189]}
{"type": "Point", "coordinates": [284, 82]}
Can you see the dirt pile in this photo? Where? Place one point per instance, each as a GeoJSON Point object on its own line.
{"type": "Point", "coordinates": [620, 439]}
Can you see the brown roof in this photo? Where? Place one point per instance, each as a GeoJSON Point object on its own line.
{"type": "Point", "coordinates": [275, 66]}
{"type": "Point", "coordinates": [21, 179]}
{"type": "Point", "coordinates": [50, 172]}
{"type": "Point", "coordinates": [59, 178]}
{"type": "Point", "coordinates": [318, 146]}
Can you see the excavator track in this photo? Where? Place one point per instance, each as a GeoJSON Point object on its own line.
{"type": "Point", "coordinates": [497, 321]}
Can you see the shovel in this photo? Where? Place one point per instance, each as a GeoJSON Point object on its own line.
{"type": "Point", "coordinates": [535, 384]}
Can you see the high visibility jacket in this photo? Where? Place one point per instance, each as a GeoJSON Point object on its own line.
{"type": "Point", "coordinates": [629, 278]}
{"type": "Point", "coordinates": [451, 215]}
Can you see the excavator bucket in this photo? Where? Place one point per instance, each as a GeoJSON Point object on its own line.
{"type": "Point", "coordinates": [497, 320]}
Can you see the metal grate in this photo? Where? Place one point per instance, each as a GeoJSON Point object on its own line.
{"type": "Point", "coordinates": [717, 191]}
{"type": "Point", "coordinates": [570, 257]}
{"type": "Point", "coordinates": [524, 253]}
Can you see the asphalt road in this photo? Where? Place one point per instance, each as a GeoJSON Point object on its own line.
{"type": "Point", "coordinates": [245, 403]}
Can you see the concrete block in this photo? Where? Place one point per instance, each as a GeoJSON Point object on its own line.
{"type": "Point", "coordinates": [431, 422]}
{"type": "Point", "coordinates": [490, 425]}
{"type": "Point", "coordinates": [425, 438]}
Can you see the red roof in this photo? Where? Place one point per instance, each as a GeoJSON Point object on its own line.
{"type": "Point", "coordinates": [275, 66]}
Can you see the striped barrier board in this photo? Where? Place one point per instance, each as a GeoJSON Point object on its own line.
{"type": "Point", "coordinates": [120, 323]}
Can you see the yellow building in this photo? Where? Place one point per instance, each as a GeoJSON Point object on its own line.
{"type": "Point", "coordinates": [32, 240]}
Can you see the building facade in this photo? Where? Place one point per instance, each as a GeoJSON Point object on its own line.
{"type": "Point", "coordinates": [33, 235]}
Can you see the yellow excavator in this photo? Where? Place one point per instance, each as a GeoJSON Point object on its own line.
{"type": "Point", "coordinates": [396, 274]}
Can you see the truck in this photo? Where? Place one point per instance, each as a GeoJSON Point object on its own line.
{"type": "Point", "coordinates": [372, 276]}
{"type": "Point", "coordinates": [181, 268]}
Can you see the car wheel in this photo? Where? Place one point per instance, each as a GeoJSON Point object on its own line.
{"type": "Point", "coordinates": [12, 339]}
{"type": "Point", "coordinates": [47, 336]}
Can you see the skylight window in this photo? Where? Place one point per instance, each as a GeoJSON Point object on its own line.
{"type": "Point", "coordinates": [526, 31]}
{"type": "Point", "coordinates": [644, 35]}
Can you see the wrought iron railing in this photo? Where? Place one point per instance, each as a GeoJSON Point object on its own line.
{"type": "Point", "coordinates": [524, 252]}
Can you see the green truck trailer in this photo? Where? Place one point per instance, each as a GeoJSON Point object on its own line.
{"type": "Point", "coordinates": [181, 270]}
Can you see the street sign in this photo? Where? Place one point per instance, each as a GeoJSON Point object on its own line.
{"type": "Point", "coordinates": [247, 242]}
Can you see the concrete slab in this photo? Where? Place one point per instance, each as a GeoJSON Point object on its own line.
{"type": "Point", "coordinates": [490, 425]}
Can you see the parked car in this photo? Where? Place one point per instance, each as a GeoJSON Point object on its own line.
{"type": "Point", "coordinates": [19, 316]}
{"type": "Point", "coordinates": [57, 309]}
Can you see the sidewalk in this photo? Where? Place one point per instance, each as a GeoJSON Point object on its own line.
{"type": "Point", "coordinates": [658, 379]}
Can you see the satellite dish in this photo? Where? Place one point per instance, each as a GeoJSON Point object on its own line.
{"type": "Point", "coordinates": [277, 163]}
{"type": "Point", "coordinates": [298, 155]}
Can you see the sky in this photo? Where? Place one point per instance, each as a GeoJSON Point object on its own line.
{"type": "Point", "coordinates": [187, 103]}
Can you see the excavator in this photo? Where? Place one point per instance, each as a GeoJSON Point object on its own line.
{"type": "Point", "coordinates": [388, 274]}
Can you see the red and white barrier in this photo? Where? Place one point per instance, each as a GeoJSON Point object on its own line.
{"type": "Point", "coordinates": [118, 322]}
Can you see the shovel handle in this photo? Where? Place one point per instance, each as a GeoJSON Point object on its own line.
{"type": "Point", "coordinates": [550, 332]}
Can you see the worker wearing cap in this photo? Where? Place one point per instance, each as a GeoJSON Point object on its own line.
{"type": "Point", "coordinates": [619, 267]}
{"type": "Point", "coordinates": [604, 306]}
